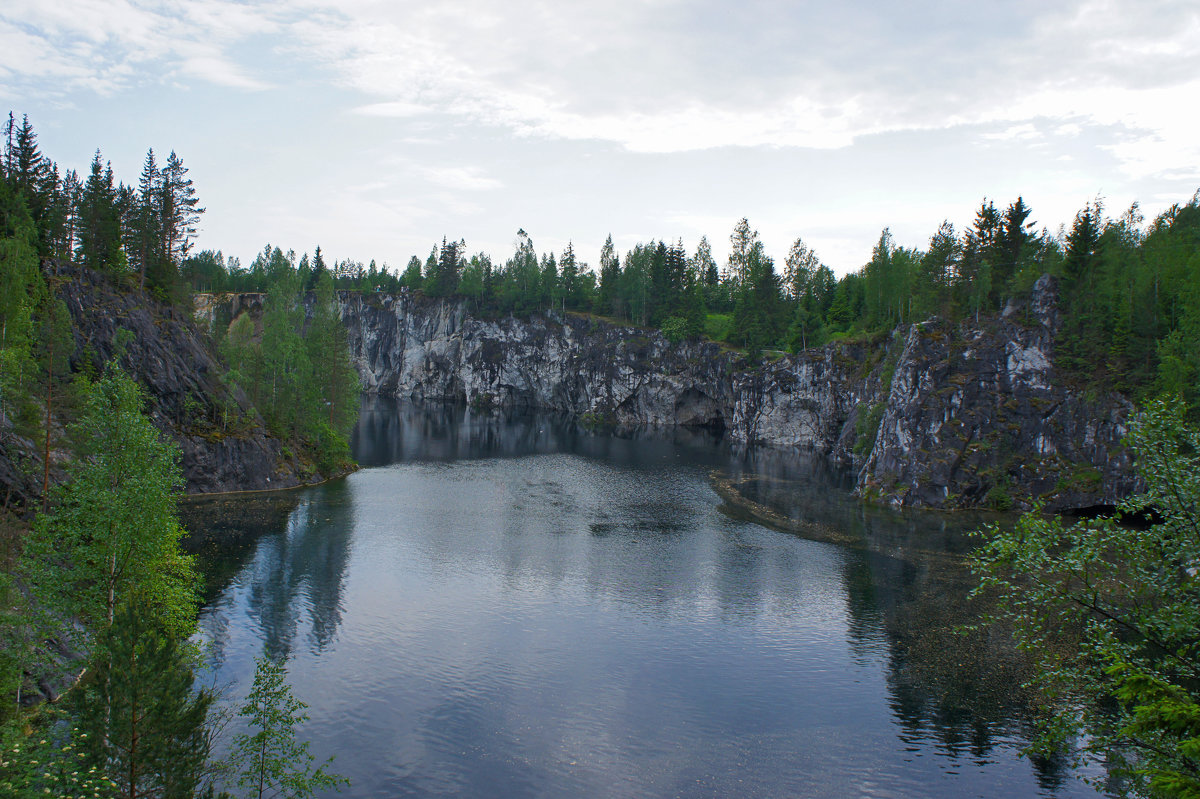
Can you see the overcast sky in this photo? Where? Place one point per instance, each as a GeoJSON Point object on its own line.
{"type": "Point", "coordinates": [373, 128]}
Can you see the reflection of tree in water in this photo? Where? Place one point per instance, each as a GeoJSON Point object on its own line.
{"type": "Point", "coordinates": [303, 569]}
{"type": "Point", "coordinates": [290, 576]}
{"type": "Point", "coordinates": [952, 680]}
{"type": "Point", "coordinates": [223, 532]}
{"type": "Point", "coordinates": [907, 586]}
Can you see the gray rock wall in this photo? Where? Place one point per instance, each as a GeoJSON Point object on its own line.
{"type": "Point", "coordinates": [933, 417]}
{"type": "Point", "coordinates": [186, 399]}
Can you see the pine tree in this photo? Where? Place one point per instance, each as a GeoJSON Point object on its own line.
{"type": "Point", "coordinates": [935, 273]}
{"type": "Point", "coordinates": [143, 724]}
{"type": "Point", "coordinates": [179, 208]}
{"type": "Point", "coordinates": [570, 279]}
{"type": "Point", "coordinates": [548, 288]}
{"type": "Point", "coordinates": [179, 213]}
{"type": "Point", "coordinates": [757, 313]}
{"type": "Point", "coordinates": [72, 192]}
{"type": "Point", "coordinates": [608, 299]}
{"type": "Point", "coordinates": [53, 230]}
{"type": "Point", "coordinates": [444, 279]}
{"type": "Point", "coordinates": [1013, 247]}
{"type": "Point", "coordinates": [52, 351]}
{"type": "Point", "coordinates": [412, 279]}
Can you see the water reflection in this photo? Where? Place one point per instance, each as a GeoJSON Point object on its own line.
{"type": "Point", "coordinates": [515, 605]}
{"type": "Point", "coordinates": [284, 554]}
{"type": "Point", "coordinates": [907, 585]}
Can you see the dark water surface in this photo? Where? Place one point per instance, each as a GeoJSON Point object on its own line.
{"type": "Point", "coordinates": [515, 606]}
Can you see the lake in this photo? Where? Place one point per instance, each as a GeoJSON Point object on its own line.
{"type": "Point", "coordinates": [512, 605]}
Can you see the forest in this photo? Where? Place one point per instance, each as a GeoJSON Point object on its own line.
{"type": "Point", "coordinates": [107, 538]}
{"type": "Point", "coordinates": [1129, 292]}
{"type": "Point", "coordinates": [96, 592]}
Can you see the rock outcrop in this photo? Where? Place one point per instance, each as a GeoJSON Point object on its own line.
{"type": "Point", "coordinates": [975, 417]}
{"type": "Point", "coordinates": [933, 416]}
{"type": "Point", "coordinates": [224, 446]}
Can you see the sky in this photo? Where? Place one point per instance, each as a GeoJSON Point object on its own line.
{"type": "Point", "coordinates": [374, 128]}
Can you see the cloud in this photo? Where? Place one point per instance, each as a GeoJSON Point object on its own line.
{"type": "Point", "coordinates": [109, 45]}
{"type": "Point", "coordinates": [663, 76]}
{"type": "Point", "coordinates": [394, 109]}
{"type": "Point", "coordinates": [671, 76]}
{"type": "Point", "coordinates": [214, 69]}
{"type": "Point", "coordinates": [1022, 131]}
{"type": "Point", "coordinates": [459, 178]}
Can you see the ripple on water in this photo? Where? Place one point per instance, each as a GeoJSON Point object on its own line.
{"type": "Point", "coordinates": [567, 617]}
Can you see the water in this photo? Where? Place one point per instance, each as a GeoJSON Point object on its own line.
{"type": "Point", "coordinates": [520, 607]}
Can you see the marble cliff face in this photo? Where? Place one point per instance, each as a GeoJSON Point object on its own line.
{"type": "Point", "coordinates": [932, 416]}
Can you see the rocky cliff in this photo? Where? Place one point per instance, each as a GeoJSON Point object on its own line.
{"type": "Point", "coordinates": [933, 416]}
{"type": "Point", "coordinates": [223, 443]}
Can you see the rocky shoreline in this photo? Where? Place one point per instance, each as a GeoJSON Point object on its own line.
{"type": "Point", "coordinates": [932, 416]}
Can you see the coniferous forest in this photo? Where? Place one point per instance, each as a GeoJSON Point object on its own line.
{"type": "Point", "coordinates": [96, 594]}
{"type": "Point", "coordinates": [104, 540]}
{"type": "Point", "coordinates": [1129, 288]}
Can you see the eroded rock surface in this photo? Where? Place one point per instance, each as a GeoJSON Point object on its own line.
{"type": "Point", "coordinates": [223, 442]}
{"type": "Point", "coordinates": [934, 417]}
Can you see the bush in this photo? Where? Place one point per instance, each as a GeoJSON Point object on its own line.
{"type": "Point", "coordinates": [1109, 613]}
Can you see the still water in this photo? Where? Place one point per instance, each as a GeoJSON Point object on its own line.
{"type": "Point", "coordinates": [513, 606]}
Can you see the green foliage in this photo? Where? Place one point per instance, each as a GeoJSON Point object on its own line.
{"type": "Point", "coordinates": [298, 372]}
{"type": "Point", "coordinates": [717, 326]}
{"type": "Point", "coordinates": [140, 722]}
{"type": "Point", "coordinates": [675, 329]}
{"type": "Point", "coordinates": [113, 536]}
{"type": "Point", "coordinates": [16, 645]}
{"type": "Point", "coordinates": [22, 292]}
{"type": "Point", "coordinates": [270, 761]}
{"type": "Point", "coordinates": [866, 426]}
{"type": "Point", "coordinates": [1110, 615]}
{"type": "Point", "coordinates": [47, 760]}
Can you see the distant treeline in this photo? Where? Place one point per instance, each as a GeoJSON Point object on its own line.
{"type": "Point", "coordinates": [1129, 292]}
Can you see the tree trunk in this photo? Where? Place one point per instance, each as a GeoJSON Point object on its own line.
{"type": "Point", "coordinates": [49, 418]}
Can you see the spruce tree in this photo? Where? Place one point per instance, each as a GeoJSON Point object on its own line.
{"type": "Point", "coordinates": [99, 221]}
{"type": "Point", "coordinates": [143, 724]}
{"type": "Point", "coordinates": [149, 218]}
{"type": "Point", "coordinates": [608, 299]}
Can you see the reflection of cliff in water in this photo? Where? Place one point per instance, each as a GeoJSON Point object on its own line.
{"type": "Point", "coordinates": [290, 568]}
{"type": "Point", "coordinates": [402, 432]}
{"type": "Point", "coordinates": [905, 583]}
{"type": "Point", "coordinates": [906, 577]}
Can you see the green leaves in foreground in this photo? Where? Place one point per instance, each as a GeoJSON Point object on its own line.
{"type": "Point", "coordinates": [113, 536]}
{"type": "Point", "coordinates": [140, 720]}
{"type": "Point", "coordinates": [1110, 616]}
{"type": "Point", "coordinates": [269, 760]}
